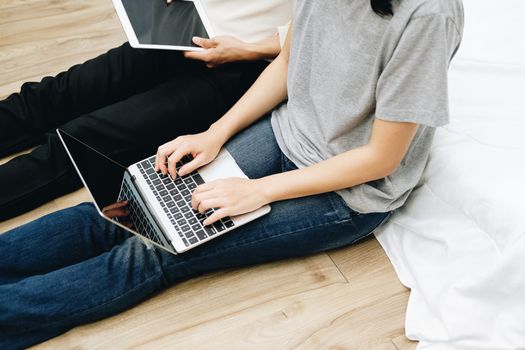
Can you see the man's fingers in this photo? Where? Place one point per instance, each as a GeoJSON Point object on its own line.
{"type": "Point", "coordinates": [196, 55]}
{"type": "Point", "coordinates": [127, 224]}
{"type": "Point", "coordinates": [116, 205]}
{"type": "Point", "coordinates": [118, 209]}
{"type": "Point", "coordinates": [117, 213]}
{"type": "Point", "coordinates": [202, 42]}
{"type": "Point", "coordinates": [201, 55]}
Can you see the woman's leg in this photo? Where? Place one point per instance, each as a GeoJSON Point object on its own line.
{"type": "Point", "coordinates": [54, 241]}
{"type": "Point", "coordinates": [110, 77]}
{"type": "Point", "coordinates": [45, 305]}
{"type": "Point", "coordinates": [40, 307]}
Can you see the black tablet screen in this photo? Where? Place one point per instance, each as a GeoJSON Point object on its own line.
{"type": "Point", "coordinates": [157, 23]}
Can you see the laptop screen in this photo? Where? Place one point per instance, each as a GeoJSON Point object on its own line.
{"type": "Point", "coordinates": [101, 175]}
{"type": "Point", "coordinates": [157, 23]}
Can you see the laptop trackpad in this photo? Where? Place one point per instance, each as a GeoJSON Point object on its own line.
{"type": "Point", "coordinates": [223, 166]}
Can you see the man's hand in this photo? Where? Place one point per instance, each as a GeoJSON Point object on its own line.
{"type": "Point", "coordinates": [118, 210]}
{"type": "Point", "coordinates": [220, 50]}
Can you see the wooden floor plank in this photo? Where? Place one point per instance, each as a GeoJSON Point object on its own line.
{"type": "Point", "coordinates": [208, 300]}
{"type": "Point", "coordinates": [403, 343]}
{"type": "Point", "coordinates": [366, 262]}
{"type": "Point", "coordinates": [64, 33]}
{"type": "Point", "coordinates": [329, 317]}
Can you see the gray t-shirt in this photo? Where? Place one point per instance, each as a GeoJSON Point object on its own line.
{"type": "Point", "coordinates": [349, 66]}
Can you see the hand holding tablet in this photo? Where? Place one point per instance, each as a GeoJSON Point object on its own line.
{"type": "Point", "coordinates": [219, 50]}
{"type": "Point", "coordinates": [156, 24]}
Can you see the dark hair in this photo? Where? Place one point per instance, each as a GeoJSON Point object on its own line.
{"type": "Point", "coordinates": [382, 7]}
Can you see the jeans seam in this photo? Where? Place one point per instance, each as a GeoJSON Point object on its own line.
{"type": "Point", "coordinates": [256, 241]}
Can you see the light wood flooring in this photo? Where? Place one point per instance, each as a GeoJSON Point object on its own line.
{"type": "Point", "coordinates": [345, 299]}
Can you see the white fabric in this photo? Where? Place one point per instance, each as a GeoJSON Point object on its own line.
{"type": "Point", "coordinates": [249, 20]}
{"type": "Point", "coordinates": [459, 242]}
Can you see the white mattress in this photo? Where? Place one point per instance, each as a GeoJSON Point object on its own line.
{"type": "Point", "coordinates": [459, 243]}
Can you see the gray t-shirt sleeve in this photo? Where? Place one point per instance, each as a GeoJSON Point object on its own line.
{"type": "Point", "coordinates": [413, 85]}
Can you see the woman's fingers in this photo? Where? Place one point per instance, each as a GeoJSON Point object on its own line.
{"type": "Point", "coordinates": [207, 204]}
{"type": "Point", "coordinates": [174, 158]}
{"type": "Point", "coordinates": [164, 152]}
{"type": "Point", "coordinates": [198, 197]}
{"type": "Point", "coordinates": [160, 160]}
{"type": "Point", "coordinates": [196, 163]}
{"type": "Point", "coordinates": [216, 216]}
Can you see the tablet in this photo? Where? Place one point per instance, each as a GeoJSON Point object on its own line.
{"type": "Point", "coordinates": [154, 24]}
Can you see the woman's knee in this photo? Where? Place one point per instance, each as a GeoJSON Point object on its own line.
{"type": "Point", "coordinates": [255, 150]}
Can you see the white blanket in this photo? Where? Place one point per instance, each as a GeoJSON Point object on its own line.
{"type": "Point", "coordinates": [459, 243]}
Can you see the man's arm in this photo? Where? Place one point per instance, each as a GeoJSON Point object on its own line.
{"type": "Point", "coordinates": [225, 49]}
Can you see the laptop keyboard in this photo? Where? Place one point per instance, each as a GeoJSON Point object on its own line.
{"type": "Point", "coordinates": [174, 197]}
{"type": "Point", "coordinates": [138, 216]}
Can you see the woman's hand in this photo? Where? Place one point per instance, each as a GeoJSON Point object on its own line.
{"type": "Point", "coordinates": [219, 50]}
{"type": "Point", "coordinates": [230, 197]}
{"type": "Point", "coordinates": [118, 210]}
{"type": "Point", "coordinates": [204, 147]}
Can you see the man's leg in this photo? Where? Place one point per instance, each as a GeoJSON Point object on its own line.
{"type": "Point", "coordinates": [126, 130]}
{"type": "Point", "coordinates": [110, 77]}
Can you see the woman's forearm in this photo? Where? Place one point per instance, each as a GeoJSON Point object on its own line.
{"type": "Point", "coordinates": [342, 171]}
{"type": "Point", "coordinates": [379, 158]}
{"type": "Point", "coordinates": [268, 91]}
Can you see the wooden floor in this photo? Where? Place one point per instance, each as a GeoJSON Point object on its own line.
{"type": "Point", "coordinates": [346, 299]}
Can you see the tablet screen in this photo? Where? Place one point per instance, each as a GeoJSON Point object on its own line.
{"type": "Point", "coordinates": [157, 23]}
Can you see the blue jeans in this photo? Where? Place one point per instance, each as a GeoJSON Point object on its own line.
{"type": "Point", "coordinates": [72, 267]}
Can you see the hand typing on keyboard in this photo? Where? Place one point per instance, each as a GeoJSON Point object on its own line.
{"type": "Point", "coordinates": [203, 147]}
{"type": "Point", "coordinates": [229, 197]}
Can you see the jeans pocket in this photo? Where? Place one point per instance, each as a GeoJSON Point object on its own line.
{"type": "Point", "coordinates": [342, 211]}
{"type": "Point", "coordinates": [286, 163]}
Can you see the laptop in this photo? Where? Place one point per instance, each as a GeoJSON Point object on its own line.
{"type": "Point", "coordinates": [160, 206]}
{"type": "Point", "coordinates": [154, 24]}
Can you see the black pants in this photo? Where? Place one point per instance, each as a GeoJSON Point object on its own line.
{"type": "Point", "coordinates": [125, 103]}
